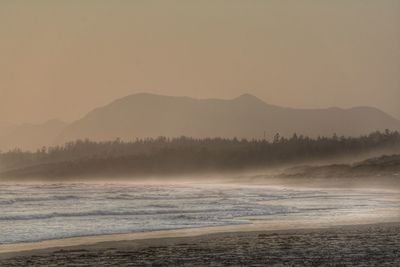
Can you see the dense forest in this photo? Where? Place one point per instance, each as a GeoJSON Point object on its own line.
{"type": "Point", "coordinates": [183, 155]}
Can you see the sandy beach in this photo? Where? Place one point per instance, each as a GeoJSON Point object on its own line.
{"type": "Point", "coordinates": [339, 235]}
{"type": "Point", "coordinates": [199, 133]}
{"type": "Point", "coordinates": [346, 245]}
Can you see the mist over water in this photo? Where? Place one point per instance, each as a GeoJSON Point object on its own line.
{"type": "Point", "coordinates": [34, 212]}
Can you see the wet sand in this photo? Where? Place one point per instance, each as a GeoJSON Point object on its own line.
{"type": "Point", "coordinates": [354, 245]}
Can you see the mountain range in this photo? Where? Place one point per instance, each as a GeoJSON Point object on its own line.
{"type": "Point", "coordinates": [146, 115]}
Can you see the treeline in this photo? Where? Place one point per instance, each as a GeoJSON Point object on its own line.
{"type": "Point", "coordinates": [184, 154]}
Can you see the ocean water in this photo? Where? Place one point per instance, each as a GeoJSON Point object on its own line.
{"type": "Point", "coordinates": [37, 212]}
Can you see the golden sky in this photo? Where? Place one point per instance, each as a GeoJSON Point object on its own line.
{"type": "Point", "coordinates": [60, 59]}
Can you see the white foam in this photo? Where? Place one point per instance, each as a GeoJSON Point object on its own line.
{"type": "Point", "coordinates": [33, 213]}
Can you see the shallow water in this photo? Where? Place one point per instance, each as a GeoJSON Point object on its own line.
{"type": "Point", "coordinates": [50, 211]}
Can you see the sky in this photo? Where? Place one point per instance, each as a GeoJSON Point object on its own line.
{"type": "Point", "coordinates": [61, 59]}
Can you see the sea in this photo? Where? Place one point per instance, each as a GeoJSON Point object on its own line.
{"type": "Point", "coordinates": [37, 212]}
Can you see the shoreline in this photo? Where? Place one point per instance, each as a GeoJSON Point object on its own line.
{"type": "Point", "coordinates": [347, 245]}
{"type": "Point", "coordinates": [296, 239]}
{"type": "Point", "coordinates": [9, 250]}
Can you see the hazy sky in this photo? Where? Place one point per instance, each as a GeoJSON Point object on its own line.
{"type": "Point", "coordinates": [64, 58]}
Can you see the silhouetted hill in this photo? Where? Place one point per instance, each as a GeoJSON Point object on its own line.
{"type": "Point", "coordinates": [147, 115]}
{"type": "Point", "coordinates": [379, 166]}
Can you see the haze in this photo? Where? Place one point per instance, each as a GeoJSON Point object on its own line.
{"type": "Point", "coordinates": [60, 59]}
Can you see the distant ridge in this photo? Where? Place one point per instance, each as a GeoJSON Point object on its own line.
{"type": "Point", "coordinates": [145, 115]}
{"type": "Point", "coordinates": [30, 136]}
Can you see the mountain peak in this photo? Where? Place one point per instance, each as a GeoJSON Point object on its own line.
{"type": "Point", "coordinates": [248, 98]}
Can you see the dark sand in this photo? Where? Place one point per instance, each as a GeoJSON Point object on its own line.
{"type": "Point", "coordinates": [357, 245]}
